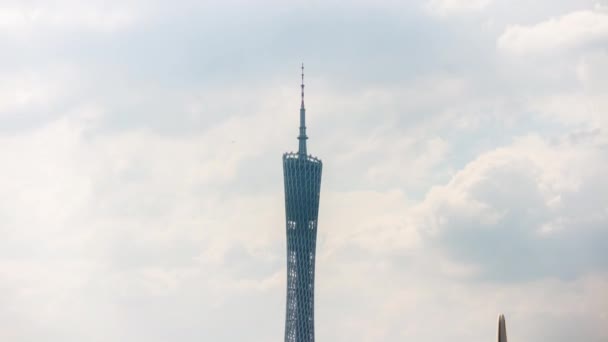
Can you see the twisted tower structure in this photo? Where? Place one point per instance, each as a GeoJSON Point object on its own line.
{"type": "Point", "coordinates": [302, 177]}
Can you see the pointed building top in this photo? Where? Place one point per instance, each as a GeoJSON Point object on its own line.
{"type": "Point", "coordinates": [502, 329]}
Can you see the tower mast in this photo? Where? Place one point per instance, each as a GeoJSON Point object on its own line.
{"type": "Point", "coordinates": [302, 137]}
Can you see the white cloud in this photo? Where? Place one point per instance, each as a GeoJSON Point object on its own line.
{"type": "Point", "coordinates": [371, 220]}
{"type": "Point", "coordinates": [446, 7]}
{"type": "Point", "coordinates": [69, 15]}
{"type": "Point", "coordinates": [395, 301]}
{"type": "Point", "coordinates": [130, 214]}
{"type": "Point", "coordinates": [581, 107]}
{"type": "Point", "coordinates": [147, 204]}
{"type": "Point", "coordinates": [525, 201]}
{"type": "Point", "coordinates": [557, 34]}
{"type": "Point", "coordinates": [380, 244]}
{"type": "Point", "coordinates": [32, 92]}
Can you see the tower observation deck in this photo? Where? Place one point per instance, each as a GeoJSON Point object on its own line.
{"type": "Point", "coordinates": [302, 178]}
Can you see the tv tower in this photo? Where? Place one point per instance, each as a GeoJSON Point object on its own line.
{"type": "Point", "coordinates": [302, 178]}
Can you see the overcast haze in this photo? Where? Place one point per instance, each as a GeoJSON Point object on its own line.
{"type": "Point", "coordinates": [465, 150]}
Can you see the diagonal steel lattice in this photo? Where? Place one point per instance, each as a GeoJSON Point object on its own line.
{"type": "Point", "coordinates": [302, 177]}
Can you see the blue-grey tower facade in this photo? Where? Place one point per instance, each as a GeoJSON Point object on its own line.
{"type": "Point", "coordinates": [302, 177]}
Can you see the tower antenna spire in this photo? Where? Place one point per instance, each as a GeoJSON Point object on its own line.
{"type": "Point", "coordinates": [302, 105]}
{"type": "Point", "coordinates": [302, 137]}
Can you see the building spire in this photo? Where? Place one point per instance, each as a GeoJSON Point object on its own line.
{"type": "Point", "coordinates": [302, 105]}
{"type": "Point", "coordinates": [502, 329]}
{"type": "Point", "coordinates": [302, 137]}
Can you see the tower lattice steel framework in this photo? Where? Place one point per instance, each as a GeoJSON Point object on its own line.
{"type": "Point", "coordinates": [302, 176]}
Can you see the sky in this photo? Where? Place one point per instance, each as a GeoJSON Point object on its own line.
{"type": "Point", "coordinates": [465, 151]}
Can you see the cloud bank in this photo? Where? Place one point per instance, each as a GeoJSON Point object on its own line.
{"type": "Point", "coordinates": [464, 144]}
